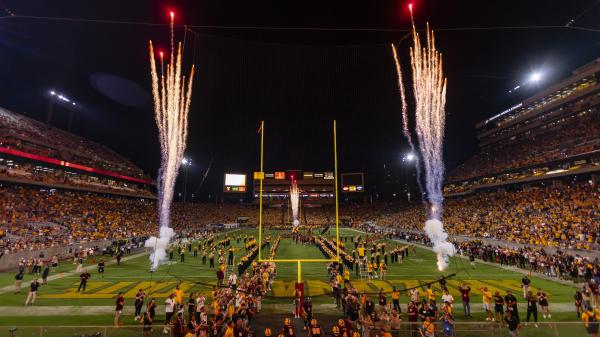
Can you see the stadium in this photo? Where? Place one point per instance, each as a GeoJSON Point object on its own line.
{"type": "Point", "coordinates": [298, 223]}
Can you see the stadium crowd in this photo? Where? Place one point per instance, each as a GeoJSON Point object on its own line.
{"type": "Point", "coordinates": [558, 140]}
{"type": "Point", "coordinates": [560, 215]}
{"type": "Point", "coordinates": [28, 135]}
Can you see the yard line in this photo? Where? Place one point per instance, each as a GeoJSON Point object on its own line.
{"type": "Point", "coordinates": [11, 288]}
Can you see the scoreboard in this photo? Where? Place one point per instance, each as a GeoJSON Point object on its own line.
{"type": "Point", "coordinates": [353, 182]}
{"type": "Point", "coordinates": [234, 183]}
{"type": "Point", "coordinates": [315, 187]}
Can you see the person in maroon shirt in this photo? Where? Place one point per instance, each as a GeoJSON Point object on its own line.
{"type": "Point", "coordinates": [83, 278]}
{"type": "Point", "coordinates": [464, 294]}
{"type": "Point", "coordinates": [120, 303]}
{"type": "Point", "coordinates": [413, 316]}
{"type": "Point", "coordinates": [178, 327]}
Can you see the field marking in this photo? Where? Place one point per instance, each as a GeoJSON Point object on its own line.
{"type": "Point", "coordinates": [11, 288]}
{"type": "Point", "coordinates": [97, 279]}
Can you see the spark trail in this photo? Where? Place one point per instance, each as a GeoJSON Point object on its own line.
{"type": "Point", "coordinates": [429, 91]}
{"type": "Point", "coordinates": [295, 201]}
{"type": "Point", "coordinates": [172, 99]}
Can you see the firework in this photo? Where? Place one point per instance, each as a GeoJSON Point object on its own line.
{"type": "Point", "coordinates": [172, 99]}
{"type": "Point", "coordinates": [429, 91]}
{"type": "Point", "coordinates": [295, 201]}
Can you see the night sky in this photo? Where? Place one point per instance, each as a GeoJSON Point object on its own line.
{"type": "Point", "coordinates": [297, 80]}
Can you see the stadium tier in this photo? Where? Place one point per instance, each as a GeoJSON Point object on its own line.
{"type": "Point", "coordinates": [553, 133]}
{"type": "Point", "coordinates": [33, 152]}
{"type": "Point", "coordinates": [560, 214]}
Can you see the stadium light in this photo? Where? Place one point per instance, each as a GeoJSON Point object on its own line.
{"type": "Point", "coordinates": [186, 162]}
{"type": "Point", "coordinates": [535, 77]}
{"type": "Point", "coordinates": [62, 97]}
{"type": "Point", "coordinates": [409, 157]}
{"type": "Point", "coordinates": [58, 97]}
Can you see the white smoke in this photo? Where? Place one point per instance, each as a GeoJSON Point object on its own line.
{"type": "Point", "coordinates": [160, 245]}
{"type": "Point", "coordinates": [443, 249]}
{"type": "Point", "coordinates": [296, 222]}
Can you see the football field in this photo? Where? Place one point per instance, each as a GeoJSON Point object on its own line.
{"type": "Point", "coordinates": [59, 303]}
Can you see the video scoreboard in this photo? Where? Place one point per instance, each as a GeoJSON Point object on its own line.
{"type": "Point", "coordinates": [353, 182]}
{"type": "Point", "coordinates": [317, 187]}
{"type": "Point", "coordinates": [234, 183]}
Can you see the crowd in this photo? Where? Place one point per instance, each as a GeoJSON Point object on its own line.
{"type": "Point", "coordinates": [558, 215]}
{"type": "Point", "coordinates": [28, 135]}
{"type": "Point", "coordinates": [224, 312]}
{"type": "Point", "coordinates": [30, 172]}
{"type": "Point", "coordinates": [570, 137]}
{"type": "Point", "coordinates": [565, 215]}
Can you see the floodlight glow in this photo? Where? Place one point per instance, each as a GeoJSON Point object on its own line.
{"type": "Point", "coordinates": [410, 157]}
{"type": "Point", "coordinates": [535, 77]}
{"type": "Point", "coordinates": [61, 97]}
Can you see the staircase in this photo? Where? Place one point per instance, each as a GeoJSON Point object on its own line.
{"type": "Point", "coordinates": [363, 273]}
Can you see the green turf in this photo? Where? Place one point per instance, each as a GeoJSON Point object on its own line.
{"type": "Point", "coordinates": [127, 277]}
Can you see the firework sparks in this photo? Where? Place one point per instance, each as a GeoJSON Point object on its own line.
{"type": "Point", "coordinates": [429, 91]}
{"type": "Point", "coordinates": [171, 107]}
{"type": "Point", "coordinates": [295, 201]}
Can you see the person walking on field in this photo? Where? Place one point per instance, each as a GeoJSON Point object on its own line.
{"type": "Point", "coordinates": [169, 309]}
{"type": "Point", "coordinates": [532, 307]}
{"type": "Point", "coordinates": [18, 281]}
{"type": "Point", "coordinates": [119, 305]}
{"type": "Point", "coordinates": [33, 288]}
{"type": "Point", "coordinates": [513, 324]}
{"type": "Point", "coordinates": [464, 293]}
{"type": "Point", "coordinates": [45, 274]}
{"type": "Point", "coordinates": [101, 266]}
{"type": "Point", "coordinates": [139, 303]}
{"type": "Point", "coordinates": [83, 278]}
{"type": "Point", "coordinates": [487, 302]}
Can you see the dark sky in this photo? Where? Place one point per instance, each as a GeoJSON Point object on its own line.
{"type": "Point", "coordinates": [298, 81]}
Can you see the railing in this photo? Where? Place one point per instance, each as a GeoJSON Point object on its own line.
{"type": "Point", "coordinates": [461, 329]}
{"type": "Point", "coordinates": [80, 331]}
{"type": "Point", "coordinates": [486, 329]}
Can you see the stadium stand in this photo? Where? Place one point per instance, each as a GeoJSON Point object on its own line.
{"type": "Point", "coordinates": [560, 215]}
{"type": "Point", "coordinates": [32, 152]}
{"type": "Point", "coordinates": [554, 131]}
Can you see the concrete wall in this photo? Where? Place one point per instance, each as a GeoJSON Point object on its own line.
{"type": "Point", "coordinates": [11, 261]}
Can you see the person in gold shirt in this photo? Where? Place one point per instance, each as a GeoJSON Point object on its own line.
{"type": "Point", "coordinates": [396, 300]}
{"type": "Point", "coordinates": [178, 296]}
{"type": "Point", "coordinates": [229, 330]}
{"type": "Point", "coordinates": [487, 303]}
{"type": "Point", "coordinates": [346, 277]}
{"type": "Point", "coordinates": [428, 327]}
{"type": "Point", "coordinates": [591, 320]}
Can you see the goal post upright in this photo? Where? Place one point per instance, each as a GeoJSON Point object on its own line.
{"type": "Point", "coordinates": [261, 176]}
{"type": "Point", "coordinates": [335, 176]}
{"type": "Point", "coordinates": [260, 190]}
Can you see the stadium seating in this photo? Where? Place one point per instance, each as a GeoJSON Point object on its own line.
{"type": "Point", "coordinates": [562, 139]}
{"type": "Point", "coordinates": [561, 215]}
{"type": "Point", "coordinates": [28, 135]}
